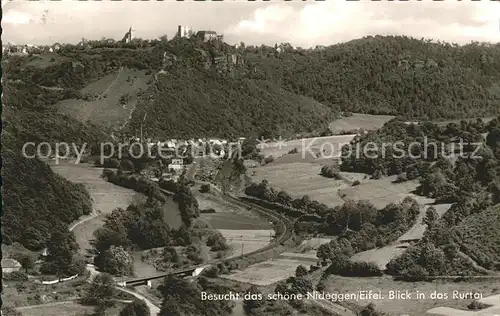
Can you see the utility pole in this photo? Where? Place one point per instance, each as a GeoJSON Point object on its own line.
{"type": "Point", "coordinates": [142, 123]}
{"type": "Point", "coordinates": [242, 244]}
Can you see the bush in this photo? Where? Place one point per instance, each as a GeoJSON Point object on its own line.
{"type": "Point", "coordinates": [205, 188]}
{"type": "Point", "coordinates": [300, 271]}
{"type": "Point", "coordinates": [136, 308]}
{"type": "Point", "coordinates": [111, 163]}
{"type": "Point", "coordinates": [211, 272]}
{"type": "Point", "coordinates": [345, 267]}
{"type": "Point", "coordinates": [401, 178]}
{"type": "Point", "coordinates": [15, 276]}
{"type": "Point", "coordinates": [208, 211]}
{"type": "Point", "coordinates": [476, 305]}
{"type": "Point", "coordinates": [268, 160]}
{"type": "Point", "coordinates": [355, 183]}
{"type": "Point", "coordinates": [331, 171]}
{"type": "Point", "coordinates": [217, 242]}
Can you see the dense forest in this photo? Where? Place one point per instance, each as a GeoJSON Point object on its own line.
{"type": "Point", "coordinates": [32, 193]}
{"type": "Point", "coordinates": [398, 75]}
{"type": "Point", "coordinates": [189, 102]}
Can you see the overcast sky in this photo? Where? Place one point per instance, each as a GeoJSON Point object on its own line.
{"type": "Point", "coordinates": [300, 23]}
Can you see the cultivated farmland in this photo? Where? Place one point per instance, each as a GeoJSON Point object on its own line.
{"type": "Point", "coordinates": [112, 98]}
{"type": "Point", "coordinates": [274, 270]}
{"type": "Point", "coordinates": [382, 191]}
{"type": "Point", "coordinates": [299, 179]}
{"type": "Point", "coordinates": [244, 230]}
{"type": "Point", "coordinates": [359, 121]}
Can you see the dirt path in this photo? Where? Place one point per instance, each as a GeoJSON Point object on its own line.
{"type": "Point", "coordinates": [153, 309]}
{"type": "Point", "coordinates": [92, 215]}
{"type": "Point", "coordinates": [382, 256]}
{"type": "Point", "coordinates": [105, 198]}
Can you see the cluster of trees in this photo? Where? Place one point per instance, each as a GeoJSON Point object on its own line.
{"type": "Point", "coordinates": [217, 242]}
{"type": "Point", "coordinates": [102, 294]}
{"type": "Point", "coordinates": [184, 197]}
{"type": "Point", "coordinates": [395, 75]}
{"type": "Point", "coordinates": [183, 298]}
{"type": "Point", "coordinates": [369, 228]}
{"type": "Point", "coordinates": [398, 147]}
{"type": "Point", "coordinates": [34, 194]}
{"type": "Point", "coordinates": [331, 171]}
{"type": "Point", "coordinates": [140, 226]}
{"type": "Point", "coordinates": [188, 204]}
{"type": "Point", "coordinates": [426, 260]}
{"type": "Point", "coordinates": [441, 178]}
{"type": "Point", "coordinates": [136, 183]}
{"type": "Point", "coordinates": [358, 224]}
{"type": "Point", "coordinates": [391, 220]}
{"type": "Point", "coordinates": [294, 285]}
{"type": "Point", "coordinates": [61, 259]}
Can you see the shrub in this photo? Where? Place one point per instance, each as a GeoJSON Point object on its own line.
{"type": "Point", "coordinates": [207, 211]}
{"type": "Point", "coordinates": [205, 188]}
{"type": "Point", "coordinates": [476, 305]}
{"type": "Point", "coordinates": [331, 171]}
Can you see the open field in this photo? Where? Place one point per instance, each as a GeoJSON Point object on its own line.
{"type": "Point", "coordinates": [244, 230]}
{"type": "Point", "coordinates": [330, 146]}
{"type": "Point", "coordinates": [314, 243]}
{"type": "Point", "coordinates": [106, 197]}
{"type": "Point", "coordinates": [413, 306]}
{"type": "Point", "coordinates": [359, 121]}
{"type": "Point", "coordinates": [106, 109]}
{"type": "Point", "coordinates": [67, 308]}
{"type": "Point", "coordinates": [245, 241]}
{"type": "Point", "coordinates": [299, 179]}
{"type": "Point", "coordinates": [229, 216]}
{"type": "Point", "coordinates": [493, 310]}
{"type": "Point", "coordinates": [382, 192]}
{"type": "Point", "coordinates": [274, 270]}
{"type": "Point", "coordinates": [62, 308]}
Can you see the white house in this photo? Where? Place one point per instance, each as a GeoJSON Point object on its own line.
{"type": "Point", "coordinates": [176, 165]}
